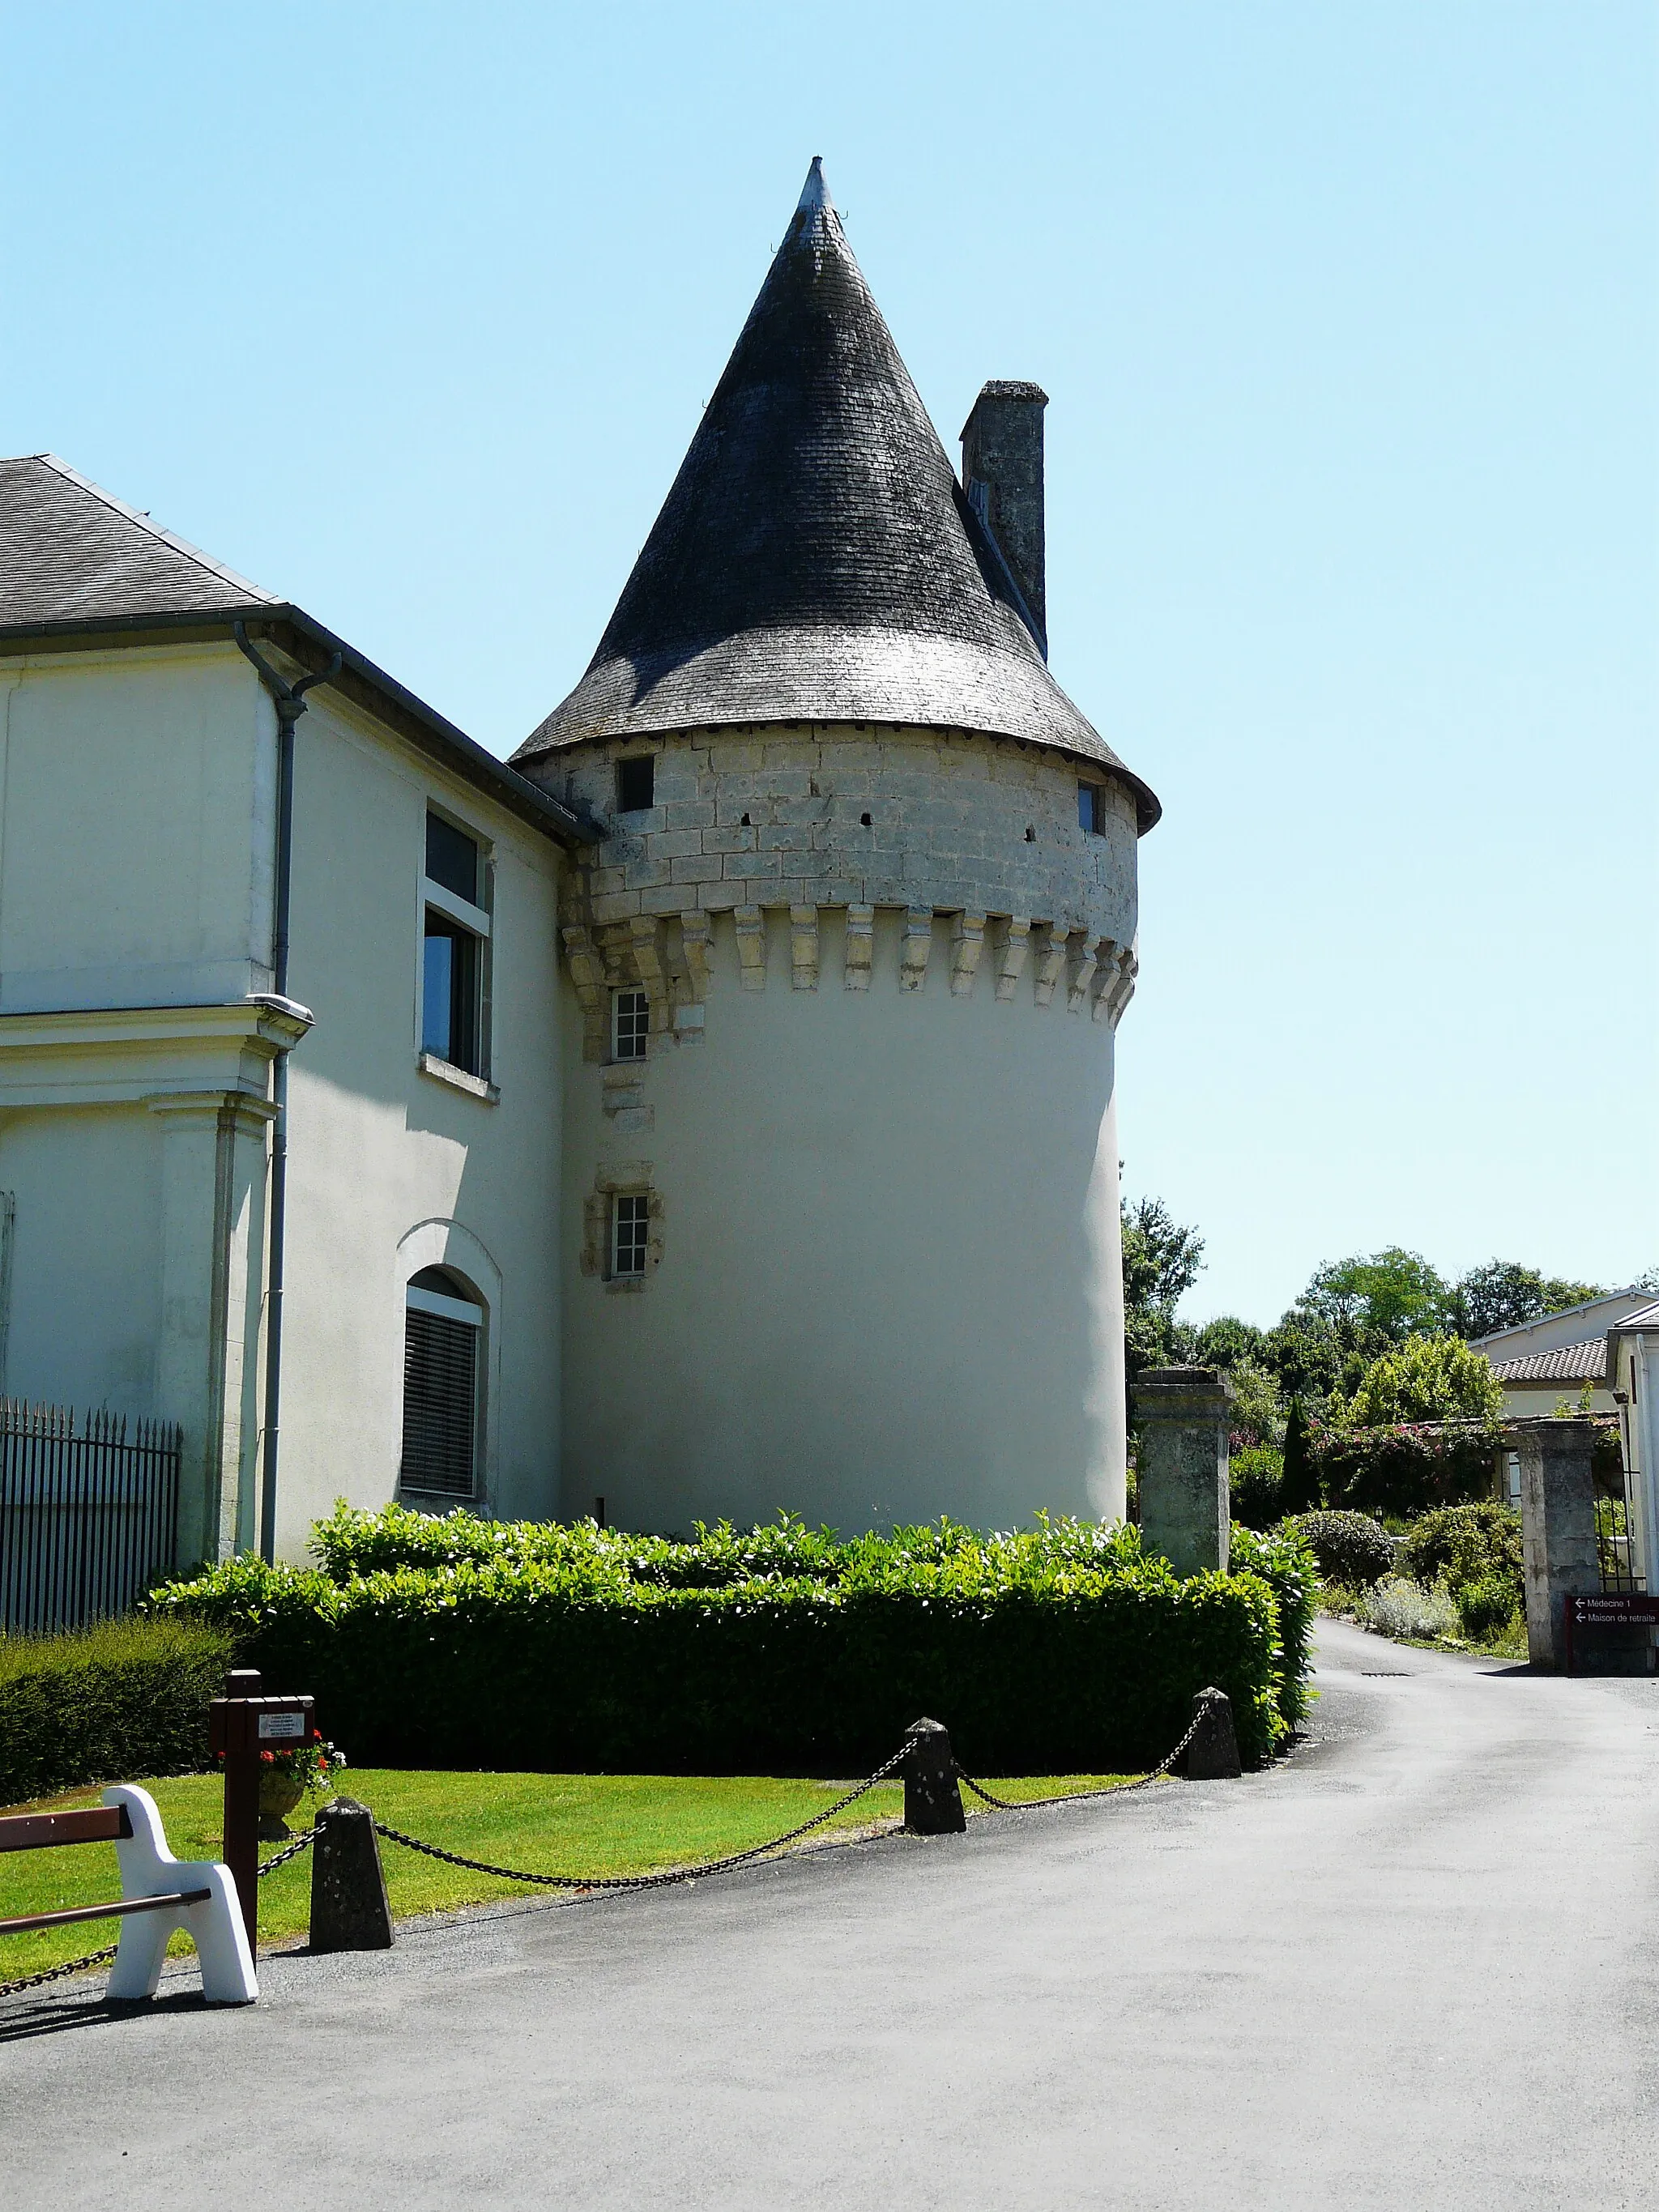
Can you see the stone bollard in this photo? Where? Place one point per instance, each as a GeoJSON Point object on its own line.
{"type": "Point", "coordinates": [349, 1911]}
{"type": "Point", "coordinates": [1558, 1530]}
{"type": "Point", "coordinates": [932, 1803]}
{"type": "Point", "coordinates": [1213, 1754]}
{"type": "Point", "coordinates": [1184, 1417]}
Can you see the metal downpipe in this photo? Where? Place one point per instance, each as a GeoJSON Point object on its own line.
{"type": "Point", "coordinates": [289, 699]}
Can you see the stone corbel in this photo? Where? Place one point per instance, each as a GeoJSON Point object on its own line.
{"type": "Point", "coordinates": [749, 922]}
{"type": "Point", "coordinates": [1011, 956]}
{"type": "Point", "coordinates": [967, 943]}
{"type": "Point", "coordinates": [917, 943]}
{"type": "Point", "coordinates": [1106, 972]}
{"type": "Point", "coordinates": [804, 947]}
{"type": "Point", "coordinates": [1082, 977]}
{"type": "Point", "coordinates": [1123, 989]}
{"type": "Point", "coordinates": [861, 947]}
{"type": "Point", "coordinates": [587, 973]}
{"type": "Point", "coordinates": [1051, 959]}
{"type": "Point", "coordinates": [695, 937]}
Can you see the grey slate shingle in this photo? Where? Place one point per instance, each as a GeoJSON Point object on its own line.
{"type": "Point", "coordinates": [71, 553]}
{"type": "Point", "coordinates": [816, 559]}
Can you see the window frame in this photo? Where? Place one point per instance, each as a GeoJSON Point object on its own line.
{"type": "Point", "coordinates": [1091, 801]}
{"type": "Point", "coordinates": [638, 1203]}
{"type": "Point", "coordinates": [459, 919]}
{"type": "Point", "coordinates": [641, 1014]}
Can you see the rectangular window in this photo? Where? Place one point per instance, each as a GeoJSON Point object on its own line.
{"type": "Point", "coordinates": [628, 1234]}
{"type": "Point", "coordinates": [630, 1024]}
{"type": "Point", "coordinates": [455, 955]}
{"type": "Point", "coordinates": [451, 859]}
{"type": "Point", "coordinates": [1091, 809]}
{"type": "Point", "coordinates": [635, 783]}
{"type": "Point", "coordinates": [449, 1000]}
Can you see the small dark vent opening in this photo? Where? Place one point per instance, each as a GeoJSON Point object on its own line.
{"type": "Point", "coordinates": [865, 819]}
{"type": "Point", "coordinates": [635, 784]}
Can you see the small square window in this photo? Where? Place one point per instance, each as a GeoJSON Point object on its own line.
{"type": "Point", "coordinates": [1091, 809]}
{"type": "Point", "coordinates": [630, 1220]}
{"type": "Point", "coordinates": [630, 1024]}
{"type": "Point", "coordinates": [635, 783]}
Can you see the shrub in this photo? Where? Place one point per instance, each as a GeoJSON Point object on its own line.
{"type": "Point", "coordinates": [1403, 1470]}
{"type": "Point", "coordinates": [1351, 1548]}
{"type": "Point", "coordinates": [1299, 1489]}
{"type": "Point", "coordinates": [106, 1703]}
{"type": "Point", "coordinates": [457, 1642]}
{"type": "Point", "coordinates": [1399, 1606]}
{"type": "Point", "coordinates": [1460, 1545]}
{"type": "Point", "coordinates": [1428, 1378]}
{"type": "Point", "coordinates": [1485, 1608]}
{"type": "Point", "coordinates": [1257, 1476]}
{"type": "Point", "coordinates": [1282, 1560]}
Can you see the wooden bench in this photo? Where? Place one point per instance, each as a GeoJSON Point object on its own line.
{"type": "Point", "coordinates": [159, 1893]}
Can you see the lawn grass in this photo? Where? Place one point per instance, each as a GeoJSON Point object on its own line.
{"type": "Point", "coordinates": [585, 1824]}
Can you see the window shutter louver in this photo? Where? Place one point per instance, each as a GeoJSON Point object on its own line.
{"type": "Point", "coordinates": [440, 1402]}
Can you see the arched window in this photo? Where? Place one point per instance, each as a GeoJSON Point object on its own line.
{"type": "Point", "coordinates": [443, 1383]}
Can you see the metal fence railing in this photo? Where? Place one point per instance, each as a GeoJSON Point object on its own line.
{"type": "Point", "coordinates": [88, 1514]}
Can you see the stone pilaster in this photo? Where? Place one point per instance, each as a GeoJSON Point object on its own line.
{"type": "Point", "coordinates": [917, 944]}
{"type": "Point", "coordinates": [967, 942]}
{"type": "Point", "coordinates": [749, 922]}
{"type": "Point", "coordinates": [860, 957]}
{"type": "Point", "coordinates": [804, 947]}
{"type": "Point", "coordinates": [1558, 1530]}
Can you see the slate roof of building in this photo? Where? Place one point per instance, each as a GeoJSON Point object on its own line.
{"type": "Point", "coordinates": [69, 551]}
{"type": "Point", "coordinates": [816, 559]}
{"type": "Point", "coordinates": [75, 561]}
{"type": "Point", "coordinates": [1568, 1363]}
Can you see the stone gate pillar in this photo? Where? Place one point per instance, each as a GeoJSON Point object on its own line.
{"type": "Point", "coordinates": [1558, 1530]}
{"type": "Point", "coordinates": [1184, 1415]}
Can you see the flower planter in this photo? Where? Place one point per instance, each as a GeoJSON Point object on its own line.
{"type": "Point", "coordinates": [279, 1794]}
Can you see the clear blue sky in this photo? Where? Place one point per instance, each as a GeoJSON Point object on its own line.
{"type": "Point", "coordinates": [1348, 315]}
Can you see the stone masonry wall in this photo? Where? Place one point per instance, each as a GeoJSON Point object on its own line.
{"type": "Point", "coordinates": [982, 830]}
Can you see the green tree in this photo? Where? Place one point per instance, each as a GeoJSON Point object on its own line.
{"type": "Point", "coordinates": [1503, 1294]}
{"type": "Point", "coordinates": [1394, 1293]}
{"type": "Point", "coordinates": [1299, 1491]}
{"type": "Point", "coordinates": [1428, 1378]}
{"type": "Point", "coordinates": [1161, 1261]}
{"type": "Point", "coordinates": [1318, 1358]}
{"type": "Point", "coordinates": [1226, 1341]}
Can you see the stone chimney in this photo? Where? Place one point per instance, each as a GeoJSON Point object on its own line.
{"type": "Point", "coordinates": [1002, 476]}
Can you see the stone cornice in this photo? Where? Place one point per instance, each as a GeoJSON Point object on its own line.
{"type": "Point", "coordinates": [117, 1055]}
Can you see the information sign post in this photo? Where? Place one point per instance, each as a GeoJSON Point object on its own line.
{"type": "Point", "coordinates": [240, 1725]}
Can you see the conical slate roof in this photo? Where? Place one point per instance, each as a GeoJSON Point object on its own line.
{"type": "Point", "coordinates": [816, 559]}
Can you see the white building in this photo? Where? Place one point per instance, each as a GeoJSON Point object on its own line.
{"type": "Point", "coordinates": [1539, 1363]}
{"type": "Point", "coordinates": [711, 1112]}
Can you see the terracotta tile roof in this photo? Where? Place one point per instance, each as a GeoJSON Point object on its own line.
{"type": "Point", "coordinates": [1568, 1363]}
{"type": "Point", "coordinates": [816, 559]}
{"type": "Point", "coordinates": [70, 552]}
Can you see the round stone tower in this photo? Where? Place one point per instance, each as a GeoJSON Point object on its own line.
{"type": "Point", "coordinates": [839, 1146]}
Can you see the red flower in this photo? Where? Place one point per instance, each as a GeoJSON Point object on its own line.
{"type": "Point", "coordinates": [268, 1758]}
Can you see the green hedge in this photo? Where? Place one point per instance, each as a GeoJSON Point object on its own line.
{"type": "Point", "coordinates": [464, 1642]}
{"type": "Point", "coordinates": [107, 1704]}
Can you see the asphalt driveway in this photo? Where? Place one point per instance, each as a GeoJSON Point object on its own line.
{"type": "Point", "coordinates": [1413, 1965]}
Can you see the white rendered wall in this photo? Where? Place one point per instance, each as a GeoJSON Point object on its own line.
{"type": "Point", "coordinates": [876, 1128]}
{"type": "Point", "coordinates": [391, 1169]}
{"type": "Point", "coordinates": [136, 830]}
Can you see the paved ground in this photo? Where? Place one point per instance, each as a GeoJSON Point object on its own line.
{"type": "Point", "coordinates": [1414, 1965]}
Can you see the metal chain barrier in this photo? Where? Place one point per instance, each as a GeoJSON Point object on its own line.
{"type": "Point", "coordinates": [651, 1880]}
{"type": "Point", "coordinates": [618, 1882]}
{"type": "Point", "coordinates": [57, 1974]}
{"type": "Point", "coordinates": [301, 1843]}
{"type": "Point", "coordinates": [1112, 1788]}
